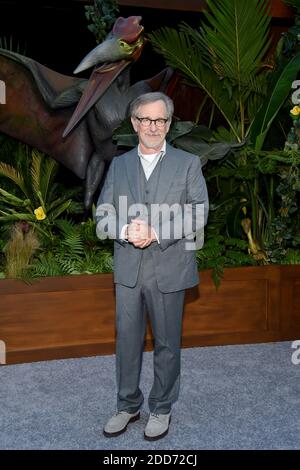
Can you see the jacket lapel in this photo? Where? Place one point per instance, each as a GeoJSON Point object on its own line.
{"type": "Point", "coordinates": [169, 166]}
{"type": "Point", "coordinates": [133, 174]}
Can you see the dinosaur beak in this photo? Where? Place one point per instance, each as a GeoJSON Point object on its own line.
{"type": "Point", "coordinates": [111, 50]}
{"type": "Point", "coordinates": [123, 43]}
{"type": "Point", "coordinates": [122, 46]}
{"type": "Point", "coordinates": [100, 80]}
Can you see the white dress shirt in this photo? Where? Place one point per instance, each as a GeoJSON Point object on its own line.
{"type": "Point", "coordinates": [149, 162]}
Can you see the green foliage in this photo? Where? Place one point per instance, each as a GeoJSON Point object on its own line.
{"type": "Point", "coordinates": [285, 226]}
{"type": "Point", "coordinates": [102, 16]}
{"type": "Point", "coordinates": [220, 59]}
{"type": "Point", "coordinates": [230, 69]}
{"type": "Point", "coordinates": [254, 194]}
{"type": "Point", "coordinates": [32, 195]}
{"type": "Point", "coordinates": [221, 252]}
{"type": "Point", "coordinates": [289, 43]}
{"type": "Point", "coordinates": [248, 188]}
{"type": "Point", "coordinates": [76, 251]}
{"type": "Point", "coordinates": [279, 90]}
{"type": "Point", "coordinates": [27, 182]}
{"type": "Point", "coordinates": [255, 197]}
{"type": "Point", "coordinates": [292, 256]}
{"type": "Point", "coordinates": [294, 4]}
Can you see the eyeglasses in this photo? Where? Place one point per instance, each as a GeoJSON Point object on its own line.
{"type": "Point", "coordinates": [146, 122]}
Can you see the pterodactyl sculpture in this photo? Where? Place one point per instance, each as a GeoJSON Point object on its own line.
{"type": "Point", "coordinates": [40, 103]}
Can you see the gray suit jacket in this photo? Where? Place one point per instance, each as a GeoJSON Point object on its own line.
{"type": "Point", "coordinates": [180, 182]}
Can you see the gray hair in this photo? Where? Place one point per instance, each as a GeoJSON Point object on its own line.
{"type": "Point", "coordinates": [152, 98]}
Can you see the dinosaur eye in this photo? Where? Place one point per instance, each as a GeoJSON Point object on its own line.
{"type": "Point", "coordinates": [123, 43]}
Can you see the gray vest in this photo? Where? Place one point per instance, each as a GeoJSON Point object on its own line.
{"type": "Point", "coordinates": [149, 188]}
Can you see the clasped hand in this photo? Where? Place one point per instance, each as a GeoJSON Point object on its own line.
{"type": "Point", "coordinates": [140, 233]}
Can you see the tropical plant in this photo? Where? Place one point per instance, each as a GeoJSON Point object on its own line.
{"type": "Point", "coordinates": [293, 3]}
{"type": "Point", "coordinates": [77, 251]}
{"type": "Point", "coordinates": [221, 252]}
{"type": "Point", "coordinates": [258, 195]}
{"type": "Point", "coordinates": [102, 16]}
{"type": "Point", "coordinates": [35, 198]}
{"type": "Point", "coordinates": [248, 91]}
{"type": "Point", "coordinates": [34, 239]}
{"type": "Point", "coordinates": [229, 68]}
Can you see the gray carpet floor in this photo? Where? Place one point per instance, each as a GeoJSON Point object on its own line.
{"type": "Point", "coordinates": [232, 397]}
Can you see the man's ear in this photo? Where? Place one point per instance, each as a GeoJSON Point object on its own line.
{"type": "Point", "coordinates": [134, 125]}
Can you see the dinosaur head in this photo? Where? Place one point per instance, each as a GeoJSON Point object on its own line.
{"type": "Point", "coordinates": [121, 47]}
{"type": "Point", "coordinates": [124, 42]}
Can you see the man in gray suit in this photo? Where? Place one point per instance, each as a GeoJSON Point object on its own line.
{"type": "Point", "coordinates": [154, 205]}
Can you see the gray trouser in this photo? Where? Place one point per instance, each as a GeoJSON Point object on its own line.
{"type": "Point", "coordinates": [165, 313]}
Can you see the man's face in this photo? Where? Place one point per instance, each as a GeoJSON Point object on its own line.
{"type": "Point", "coordinates": [151, 136]}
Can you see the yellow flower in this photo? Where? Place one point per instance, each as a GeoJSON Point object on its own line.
{"type": "Point", "coordinates": [244, 208]}
{"type": "Point", "coordinates": [295, 111]}
{"type": "Point", "coordinates": [39, 213]}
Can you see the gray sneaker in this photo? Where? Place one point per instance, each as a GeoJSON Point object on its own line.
{"type": "Point", "coordinates": [119, 422]}
{"type": "Point", "coordinates": [157, 426]}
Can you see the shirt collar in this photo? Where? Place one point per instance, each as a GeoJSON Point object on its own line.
{"type": "Point", "coordinates": [162, 151]}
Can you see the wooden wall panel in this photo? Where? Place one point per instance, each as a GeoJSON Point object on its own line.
{"type": "Point", "coordinates": [74, 316]}
{"type": "Point", "coordinates": [238, 305]}
{"type": "Point", "coordinates": [67, 318]}
{"type": "Point", "coordinates": [290, 302]}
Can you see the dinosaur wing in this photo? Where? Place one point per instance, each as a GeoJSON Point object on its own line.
{"type": "Point", "coordinates": [39, 104]}
{"type": "Point", "coordinates": [50, 84]}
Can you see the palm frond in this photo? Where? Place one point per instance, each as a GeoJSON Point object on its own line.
{"type": "Point", "coordinates": [219, 58]}
{"type": "Point", "coordinates": [66, 194]}
{"type": "Point", "coordinates": [179, 52]}
{"type": "Point", "coordinates": [231, 24]}
{"type": "Point", "coordinates": [75, 208]}
{"type": "Point", "coordinates": [22, 161]}
{"type": "Point", "coordinates": [49, 170]}
{"type": "Point", "coordinates": [6, 217]}
{"type": "Point", "coordinates": [13, 200]}
{"type": "Point", "coordinates": [11, 173]}
{"type": "Point", "coordinates": [59, 210]}
{"type": "Point", "coordinates": [257, 91]}
{"type": "Point", "coordinates": [35, 170]}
